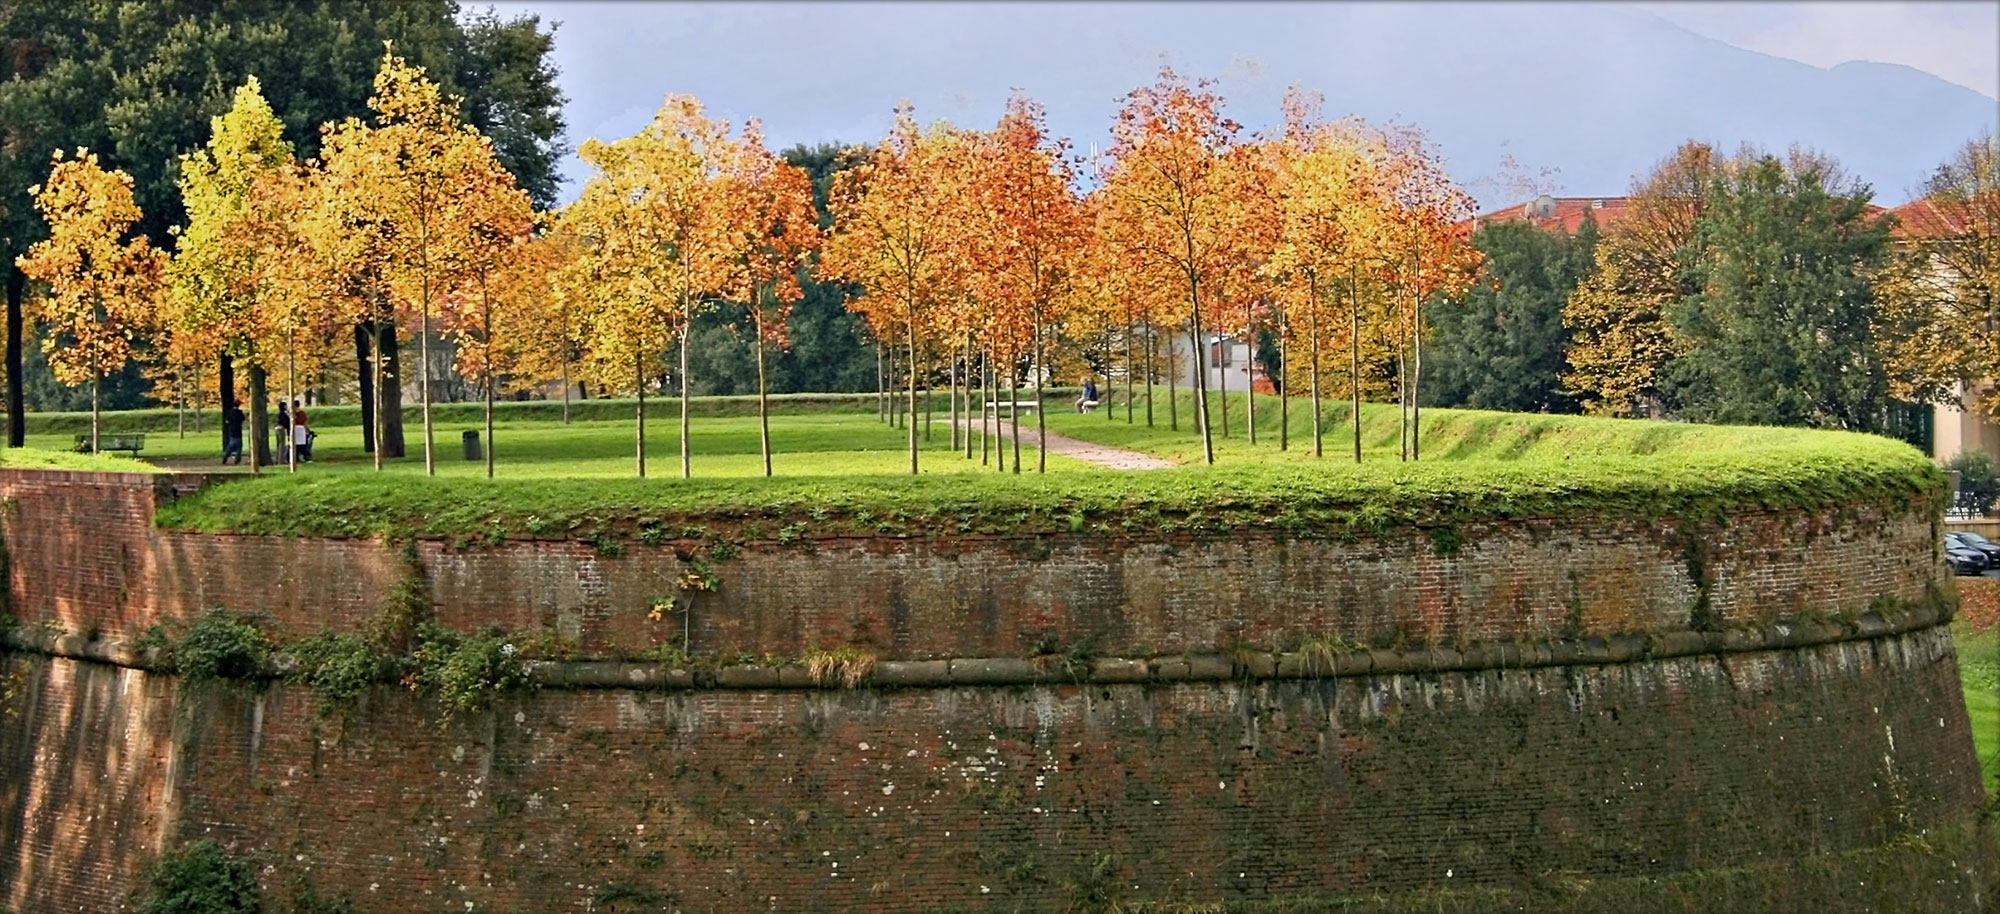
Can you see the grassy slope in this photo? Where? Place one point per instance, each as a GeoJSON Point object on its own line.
{"type": "Point", "coordinates": [1979, 670]}
{"type": "Point", "coordinates": [1499, 466]}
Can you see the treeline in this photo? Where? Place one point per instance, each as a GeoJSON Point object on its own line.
{"type": "Point", "coordinates": [1745, 288]}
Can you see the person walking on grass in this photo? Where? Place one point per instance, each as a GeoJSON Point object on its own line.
{"type": "Point", "coordinates": [302, 433]}
{"type": "Point", "coordinates": [283, 431]}
{"type": "Point", "coordinates": [232, 433]}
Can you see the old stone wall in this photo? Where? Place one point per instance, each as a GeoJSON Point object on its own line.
{"type": "Point", "coordinates": [990, 799]}
{"type": "Point", "coordinates": [1765, 716]}
{"type": "Point", "coordinates": [978, 596]}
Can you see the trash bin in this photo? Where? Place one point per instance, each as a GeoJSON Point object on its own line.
{"type": "Point", "coordinates": [471, 439]}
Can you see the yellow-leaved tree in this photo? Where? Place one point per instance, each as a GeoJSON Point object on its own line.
{"type": "Point", "coordinates": [99, 289]}
{"type": "Point", "coordinates": [653, 244]}
{"type": "Point", "coordinates": [1168, 206]}
{"type": "Point", "coordinates": [228, 264]}
{"type": "Point", "coordinates": [893, 221]}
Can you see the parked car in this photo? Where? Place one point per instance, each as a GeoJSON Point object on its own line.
{"type": "Point", "coordinates": [1977, 543]}
{"type": "Point", "coordinates": [1964, 559]}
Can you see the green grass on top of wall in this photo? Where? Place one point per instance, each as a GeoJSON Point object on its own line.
{"type": "Point", "coordinates": [613, 409]}
{"type": "Point", "coordinates": [46, 459]}
{"type": "Point", "coordinates": [1570, 466]}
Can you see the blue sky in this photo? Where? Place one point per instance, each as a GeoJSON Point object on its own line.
{"type": "Point", "coordinates": [832, 71]}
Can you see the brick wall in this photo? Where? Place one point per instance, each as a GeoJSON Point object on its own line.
{"type": "Point", "coordinates": [993, 799]}
{"type": "Point", "coordinates": [983, 798]}
{"type": "Point", "coordinates": [85, 554]}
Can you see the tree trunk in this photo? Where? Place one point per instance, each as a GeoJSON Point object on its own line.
{"type": "Point", "coordinates": [1250, 369]}
{"type": "Point", "coordinates": [364, 366]}
{"type": "Point", "coordinates": [291, 396]}
{"type": "Point", "coordinates": [1312, 330]}
{"type": "Point", "coordinates": [930, 402]}
{"type": "Point", "coordinates": [1152, 361]}
{"type": "Point", "coordinates": [1041, 408]}
{"type": "Point", "coordinates": [1130, 369]}
{"type": "Point", "coordinates": [1416, 375]}
{"type": "Point", "coordinates": [881, 387]}
{"type": "Point", "coordinates": [763, 390]}
{"type": "Point", "coordinates": [911, 326]}
{"type": "Point", "coordinates": [687, 456]}
{"type": "Point", "coordinates": [565, 382]}
{"type": "Point", "coordinates": [1354, 354]}
{"type": "Point", "coordinates": [389, 390]}
{"type": "Point", "coordinates": [96, 394]}
{"type": "Point", "coordinates": [1173, 390]}
{"type": "Point", "coordinates": [17, 418]}
{"type": "Point", "coordinates": [952, 380]}
{"type": "Point", "coordinates": [639, 385]}
{"type": "Point", "coordinates": [424, 383]}
{"type": "Point", "coordinates": [1201, 390]}
{"type": "Point", "coordinates": [1282, 386]}
{"type": "Point", "coordinates": [486, 341]}
{"type": "Point", "coordinates": [260, 422]}
{"type": "Point", "coordinates": [1014, 411]}
{"type": "Point", "coordinates": [986, 395]}
{"type": "Point", "coordinates": [225, 387]}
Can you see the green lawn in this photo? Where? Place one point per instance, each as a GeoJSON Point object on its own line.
{"type": "Point", "coordinates": [1979, 671]}
{"type": "Point", "coordinates": [1448, 434]}
{"type": "Point", "coordinates": [802, 445]}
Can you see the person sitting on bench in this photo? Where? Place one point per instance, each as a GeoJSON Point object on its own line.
{"type": "Point", "coordinates": [1088, 401]}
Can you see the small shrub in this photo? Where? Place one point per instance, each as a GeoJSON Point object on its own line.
{"type": "Point", "coordinates": [198, 878]}
{"type": "Point", "coordinates": [464, 672]}
{"type": "Point", "coordinates": [336, 667]}
{"type": "Point", "coordinates": [220, 644]}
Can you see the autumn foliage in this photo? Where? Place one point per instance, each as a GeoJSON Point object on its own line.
{"type": "Point", "coordinates": [980, 258]}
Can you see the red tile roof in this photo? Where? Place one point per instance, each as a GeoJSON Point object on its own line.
{"type": "Point", "coordinates": [1931, 218]}
{"type": "Point", "coordinates": [1568, 216]}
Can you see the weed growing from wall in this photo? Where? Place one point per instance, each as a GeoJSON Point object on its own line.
{"type": "Point", "coordinates": [220, 644]}
{"type": "Point", "coordinates": [198, 878]}
{"type": "Point", "coordinates": [337, 667]}
{"type": "Point", "coordinates": [464, 672]}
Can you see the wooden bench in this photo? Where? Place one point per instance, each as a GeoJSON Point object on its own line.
{"type": "Point", "coordinates": [1012, 406]}
{"type": "Point", "coordinates": [129, 443]}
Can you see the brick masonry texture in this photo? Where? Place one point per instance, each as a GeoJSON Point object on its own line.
{"type": "Point", "coordinates": [924, 598]}
{"type": "Point", "coordinates": [986, 799]}
{"type": "Point", "coordinates": [993, 798]}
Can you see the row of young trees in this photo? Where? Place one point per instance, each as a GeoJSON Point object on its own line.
{"type": "Point", "coordinates": [1745, 288]}
{"type": "Point", "coordinates": [970, 251]}
{"type": "Point", "coordinates": [976, 248]}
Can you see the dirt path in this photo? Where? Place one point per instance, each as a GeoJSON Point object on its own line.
{"type": "Point", "coordinates": [1104, 456]}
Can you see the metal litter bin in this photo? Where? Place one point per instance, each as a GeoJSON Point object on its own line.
{"type": "Point", "coordinates": [471, 441]}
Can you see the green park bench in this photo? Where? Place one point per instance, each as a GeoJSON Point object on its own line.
{"type": "Point", "coordinates": [129, 443]}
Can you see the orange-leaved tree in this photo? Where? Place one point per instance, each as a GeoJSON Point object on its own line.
{"type": "Point", "coordinates": [1031, 238]}
{"type": "Point", "coordinates": [771, 227]}
{"type": "Point", "coordinates": [1425, 253]}
{"type": "Point", "coordinates": [496, 220]}
{"type": "Point", "coordinates": [893, 221]}
{"type": "Point", "coordinates": [1167, 207]}
{"type": "Point", "coordinates": [100, 291]}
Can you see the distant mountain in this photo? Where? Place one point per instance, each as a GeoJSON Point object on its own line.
{"type": "Point", "coordinates": [1599, 92]}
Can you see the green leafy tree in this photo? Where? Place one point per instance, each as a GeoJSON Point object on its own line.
{"type": "Point", "coordinates": [1783, 329]}
{"type": "Point", "coordinates": [1501, 345]}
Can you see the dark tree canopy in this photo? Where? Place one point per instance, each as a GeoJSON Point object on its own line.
{"type": "Point", "coordinates": [1501, 346]}
{"type": "Point", "coordinates": [137, 81]}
